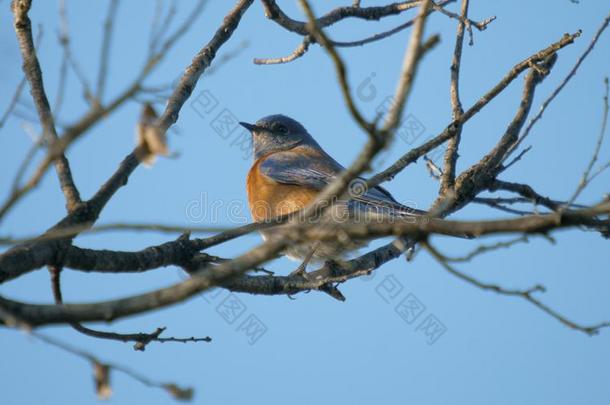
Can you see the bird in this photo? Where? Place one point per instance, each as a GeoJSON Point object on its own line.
{"type": "Point", "coordinates": [289, 169]}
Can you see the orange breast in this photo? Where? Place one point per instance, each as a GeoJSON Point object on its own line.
{"type": "Point", "coordinates": [269, 199]}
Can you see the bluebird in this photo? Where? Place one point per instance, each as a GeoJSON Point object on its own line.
{"type": "Point", "coordinates": [290, 169]}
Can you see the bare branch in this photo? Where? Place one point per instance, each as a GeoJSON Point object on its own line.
{"type": "Point", "coordinates": [105, 50]}
{"type": "Point", "coordinates": [463, 19]}
{"type": "Point", "coordinates": [171, 388]}
{"type": "Point", "coordinates": [13, 102]}
{"type": "Point", "coordinates": [451, 154]}
{"type": "Point", "coordinates": [478, 177]}
{"type": "Point", "coordinates": [33, 74]}
{"type": "Point", "coordinates": [320, 37]}
{"type": "Point", "coordinates": [141, 339]}
{"type": "Point", "coordinates": [527, 295]}
{"type": "Point", "coordinates": [586, 177]}
{"type": "Point", "coordinates": [97, 111]}
{"type": "Point", "coordinates": [563, 83]}
{"type": "Point", "coordinates": [377, 139]}
{"type": "Point", "coordinates": [68, 60]}
{"type": "Point", "coordinates": [448, 132]}
{"type": "Point", "coordinates": [275, 13]}
{"type": "Point", "coordinates": [200, 63]}
{"type": "Point", "coordinates": [297, 53]}
{"type": "Point", "coordinates": [20, 258]}
{"type": "Point", "coordinates": [216, 275]}
{"type": "Point", "coordinates": [481, 249]}
{"type": "Point", "coordinates": [409, 68]}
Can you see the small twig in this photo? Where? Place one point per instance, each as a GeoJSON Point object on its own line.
{"type": "Point", "coordinates": [19, 89]}
{"type": "Point", "coordinates": [525, 294]}
{"type": "Point", "coordinates": [275, 13]}
{"type": "Point", "coordinates": [415, 153]}
{"type": "Point", "coordinates": [516, 159]}
{"type": "Point", "coordinates": [113, 227]}
{"type": "Point", "coordinates": [172, 39]}
{"type": "Point", "coordinates": [68, 59]}
{"type": "Point", "coordinates": [465, 21]}
{"type": "Point", "coordinates": [33, 73]}
{"type": "Point", "coordinates": [481, 249]}
{"type": "Point", "coordinates": [63, 38]}
{"type": "Point", "coordinates": [141, 339]}
{"type": "Point", "coordinates": [498, 203]}
{"type": "Point", "coordinates": [157, 32]}
{"type": "Point", "coordinates": [561, 86]}
{"type": "Point", "coordinates": [102, 383]}
{"type": "Point", "coordinates": [525, 191]}
{"type": "Point", "coordinates": [477, 177]}
{"type": "Point", "coordinates": [23, 166]}
{"type": "Point", "coordinates": [154, 26]}
{"type": "Point", "coordinates": [585, 179]}
{"type": "Point", "coordinates": [411, 59]}
{"type": "Point", "coordinates": [599, 171]}
{"type": "Point", "coordinates": [316, 32]}
{"type": "Point", "coordinates": [297, 53]}
{"type": "Point", "coordinates": [385, 34]}
{"type": "Point", "coordinates": [105, 49]}
{"type": "Point", "coordinates": [227, 57]}
{"type": "Point", "coordinates": [451, 154]}
{"type": "Point", "coordinates": [96, 112]}
{"type": "Point", "coordinates": [13, 102]}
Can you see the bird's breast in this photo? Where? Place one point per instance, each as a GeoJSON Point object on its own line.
{"type": "Point", "coordinates": [268, 199]}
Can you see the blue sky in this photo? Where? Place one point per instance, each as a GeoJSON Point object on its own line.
{"type": "Point", "coordinates": [494, 349]}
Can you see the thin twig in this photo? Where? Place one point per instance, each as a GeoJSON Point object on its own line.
{"type": "Point", "coordinates": [33, 73]}
{"type": "Point", "coordinates": [105, 49]}
{"type": "Point", "coordinates": [68, 59]}
{"type": "Point", "coordinates": [141, 339]}
{"type": "Point", "coordinates": [586, 179]}
{"type": "Point", "coordinates": [481, 249]}
{"type": "Point", "coordinates": [561, 86]}
{"type": "Point", "coordinates": [527, 295]}
{"type": "Point", "coordinates": [316, 32]}
{"type": "Point", "coordinates": [409, 68]}
{"type": "Point", "coordinates": [96, 111]}
{"type": "Point", "coordinates": [297, 53]}
{"type": "Point", "coordinates": [451, 154]}
{"type": "Point", "coordinates": [171, 388]}
{"type": "Point", "coordinates": [159, 31]}
{"type": "Point", "coordinates": [515, 159]}
{"type": "Point", "coordinates": [89, 212]}
{"type": "Point", "coordinates": [415, 153]}
{"type": "Point", "coordinates": [13, 102]}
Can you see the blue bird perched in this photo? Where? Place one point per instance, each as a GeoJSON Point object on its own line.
{"type": "Point", "coordinates": [290, 169]}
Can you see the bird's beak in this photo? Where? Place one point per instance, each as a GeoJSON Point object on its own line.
{"type": "Point", "coordinates": [251, 127]}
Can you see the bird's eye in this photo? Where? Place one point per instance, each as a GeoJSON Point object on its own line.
{"type": "Point", "coordinates": [281, 129]}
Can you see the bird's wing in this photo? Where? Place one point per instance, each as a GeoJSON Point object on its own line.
{"type": "Point", "coordinates": [296, 169]}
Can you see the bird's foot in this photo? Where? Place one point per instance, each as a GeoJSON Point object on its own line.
{"type": "Point", "coordinates": [300, 271]}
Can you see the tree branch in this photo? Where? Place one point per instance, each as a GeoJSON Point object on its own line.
{"type": "Point", "coordinates": [448, 132]}
{"type": "Point", "coordinates": [33, 74]}
{"type": "Point", "coordinates": [26, 257]}
{"type": "Point", "coordinates": [451, 154]}
{"type": "Point", "coordinates": [527, 295]}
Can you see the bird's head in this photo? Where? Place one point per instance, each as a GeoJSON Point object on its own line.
{"type": "Point", "coordinates": [276, 133]}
